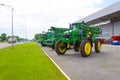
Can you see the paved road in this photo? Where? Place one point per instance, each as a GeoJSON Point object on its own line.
{"type": "Point", "coordinates": [99, 66]}
{"type": "Point", "coordinates": [3, 45]}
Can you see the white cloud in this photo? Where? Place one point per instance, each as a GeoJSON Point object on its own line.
{"type": "Point", "coordinates": [39, 15]}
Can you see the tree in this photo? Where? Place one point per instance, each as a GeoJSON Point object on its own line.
{"type": "Point", "coordinates": [37, 36]}
{"type": "Point", "coordinates": [3, 37]}
{"type": "Point", "coordinates": [0, 39]}
{"type": "Point", "coordinates": [18, 39]}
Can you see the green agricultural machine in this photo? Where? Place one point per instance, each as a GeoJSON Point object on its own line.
{"type": "Point", "coordinates": [56, 34]}
{"type": "Point", "coordinates": [44, 37]}
{"type": "Point", "coordinates": [82, 36]}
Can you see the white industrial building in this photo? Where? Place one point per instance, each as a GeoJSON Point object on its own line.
{"type": "Point", "coordinates": [108, 19]}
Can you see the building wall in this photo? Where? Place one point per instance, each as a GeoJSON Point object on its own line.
{"type": "Point", "coordinates": [117, 28]}
{"type": "Point", "coordinates": [110, 29]}
{"type": "Point", "coordinates": [106, 31]}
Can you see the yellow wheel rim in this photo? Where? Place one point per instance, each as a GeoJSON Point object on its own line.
{"type": "Point", "coordinates": [99, 46]}
{"type": "Point", "coordinates": [68, 45]}
{"type": "Point", "coordinates": [87, 48]}
{"type": "Point", "coordinates": [62, 50]}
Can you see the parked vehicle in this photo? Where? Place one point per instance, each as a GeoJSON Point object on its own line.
{"type": "Point", "coordinates": [56, 34]}
{"type": "Point", "coordinates": [12, 40]}
{"type": "Point", "coordinates": [115, 40]}
{"type": "Point", "coordinates": [44, 37]}
{"type": "Point", "coordinates": [82, 36]}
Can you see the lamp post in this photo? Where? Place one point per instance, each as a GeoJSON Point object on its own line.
{"type": "Point", "coordinates": [12, 9]}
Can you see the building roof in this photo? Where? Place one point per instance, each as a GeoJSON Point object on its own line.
{"type": "Point", "coordinates": [111, 13]}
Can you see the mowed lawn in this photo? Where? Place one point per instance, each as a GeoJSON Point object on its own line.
{"type": "Point", "coordinates": [2, 42]}
{"type": "Point", "coordinates": [27, 62]}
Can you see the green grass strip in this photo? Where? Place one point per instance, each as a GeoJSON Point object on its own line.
{"type": "Point", "coordinates": [2, 42]}
{"type": "Point", "coordinates": [27, 62]}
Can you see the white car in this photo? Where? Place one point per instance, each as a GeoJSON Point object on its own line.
{"type": "Point", "coordinates": [10, 40]}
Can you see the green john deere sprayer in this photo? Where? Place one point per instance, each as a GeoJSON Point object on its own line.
{"type": "Point", "coordinates": [44, 37]}
{"type": "Point", "coordinates": [56, 34]}
{"type": "Point", "coordinates": [82, 36]}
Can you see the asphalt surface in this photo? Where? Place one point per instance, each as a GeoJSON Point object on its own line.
{"type": "Point", "coordinates": [3, 45]}
{"type": "Point", "coordinates": [98, 66]}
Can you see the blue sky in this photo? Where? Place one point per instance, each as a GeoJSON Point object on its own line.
{"type": "Point", "coordinates": [36, 16]}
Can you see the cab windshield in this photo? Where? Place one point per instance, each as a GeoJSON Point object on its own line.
{"type": "Point", "coordinates": [74, 27]}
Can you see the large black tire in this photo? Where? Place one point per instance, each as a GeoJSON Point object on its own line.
{"type": "Point", "coordinates": [43, 44]}
{"type": "Point", "coordinates": [76, 47]}
{"type": "Point", "coordinates": [85, 48]}
{"type": "Point", "coordinates": [60, 47]}
{"type": "Point", "coordinates": [97, 46]}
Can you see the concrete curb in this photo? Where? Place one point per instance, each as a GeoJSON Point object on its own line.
{"type": "Point", "coordinates": [56, 65]}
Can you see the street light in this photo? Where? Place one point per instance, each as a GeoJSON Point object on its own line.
{"type": "Point", "coordinates": [12, 9]}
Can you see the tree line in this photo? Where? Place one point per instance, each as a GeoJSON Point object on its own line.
{"type": "Point", "coordinates": [4, 37]}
